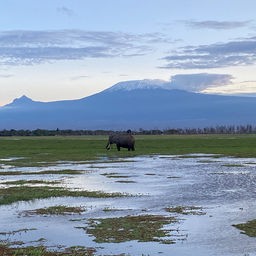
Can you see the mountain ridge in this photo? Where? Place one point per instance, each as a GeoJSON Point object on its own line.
{"type": "Point", "coordinates": [130, 85]}
{"type": "Point", "coordinates": [149, 105]}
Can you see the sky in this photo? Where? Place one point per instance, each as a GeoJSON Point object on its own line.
{"type": "Point", "coordinates": [68, 49]}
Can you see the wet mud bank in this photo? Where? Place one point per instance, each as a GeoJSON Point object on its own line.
{"type": "Point", "coordinates": [151, 205]}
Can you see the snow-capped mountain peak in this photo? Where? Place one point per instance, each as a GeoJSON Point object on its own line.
{"type": "Point", "coordinates": [140, 84]}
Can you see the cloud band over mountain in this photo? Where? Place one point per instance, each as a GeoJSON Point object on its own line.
{"type": "Point", "coordinates": [199, 82]}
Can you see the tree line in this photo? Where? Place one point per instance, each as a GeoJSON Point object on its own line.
{"type": "Point", "coordinates": [223, 129]}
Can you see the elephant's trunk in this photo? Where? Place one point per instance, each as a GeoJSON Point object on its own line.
{"type": "Point", "coordinates": [108, 146]}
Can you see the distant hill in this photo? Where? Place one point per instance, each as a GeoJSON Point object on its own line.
{"type": "Point", "coordinates": [147, 104]}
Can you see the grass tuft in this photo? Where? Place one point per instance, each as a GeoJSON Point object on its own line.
{"type": "Point", "coordinates": [143, 228]}
{"type": "Point", "coordinates": [27, 193]}
{"type": "Point", "coordinates": [248, 228]}
{"type": "Point", "coordinates": [186, 210]}
{"type": "Point", "coordinates": [56, 210]}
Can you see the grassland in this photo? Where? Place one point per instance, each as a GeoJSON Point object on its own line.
{"type": "Point", "coordinates": [41, 151]}
{"type": "Point", "coordinates": [33, 151]}
{"type": "Point", "coordinates": [44, 151]}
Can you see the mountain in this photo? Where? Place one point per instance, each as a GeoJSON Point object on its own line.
{"type": "Point", "coordinates": [23, 100]}
{"type": "Point", "coordinates": [147, 104]}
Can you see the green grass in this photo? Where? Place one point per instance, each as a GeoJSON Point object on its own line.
{"type": "Point", "coordinates": [233, 165]}
{"type": "Point", "coordinates": [248, 228]}
{"type": "Point", "coordinates": [27, 193]}
{"type": "Point", "coordinates": [59, 172]}
{"type": "Point", "coordinates": [56, 210]}
{"type": "Point", "coordinates": [143, 228]}
{"type": "Point", "coordinates": [33, 182]}
{"type": "Point", "coordinates": [42, 251]}
{"type": "Point", "coordinates": [235, 145]}
{"type": "Point", "coordinates": [48, 150]}
{"type": "Point", "coordinates": [186, 210]}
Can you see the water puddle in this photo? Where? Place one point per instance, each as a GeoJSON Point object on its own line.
{"type": "Point", "coordinates": [175, 205]}
{"type": "Point", "coordinates": [9, 159]}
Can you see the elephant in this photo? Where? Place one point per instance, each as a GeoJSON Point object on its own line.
{"type": "Point", "coordinates": [121, 140]}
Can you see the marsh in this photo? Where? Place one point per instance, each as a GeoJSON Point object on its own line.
{"type": "Point", "coordinates": [213, 191]}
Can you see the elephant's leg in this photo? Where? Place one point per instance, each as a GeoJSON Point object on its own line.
{"type": "Point", "coordinates": [118, 147]}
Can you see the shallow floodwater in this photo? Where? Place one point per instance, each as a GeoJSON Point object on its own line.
{"type": "Point", "coordinates": [223, 187]}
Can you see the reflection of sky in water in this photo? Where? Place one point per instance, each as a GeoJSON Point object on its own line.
{"type": "Point", "coordinates": [224, 187]}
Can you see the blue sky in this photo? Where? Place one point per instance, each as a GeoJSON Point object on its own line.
{"type": "Point", "coordinates": [68, 49]}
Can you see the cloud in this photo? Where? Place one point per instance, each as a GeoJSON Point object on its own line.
{"type": "Point", "coordinates": [79, 77]}
{"type": "Point", "coordinates": [32, 47]}
{"type": "Point", "coordinates": [199, 82]}
{"type": "Point", "coordinates": [234, 53]}
{"type": "Point", "coordinates": [6, 76]}
{"type": "Point", "coordinates": [216, 25]}
{"type": "Point", "coordinates": [65, 10]}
